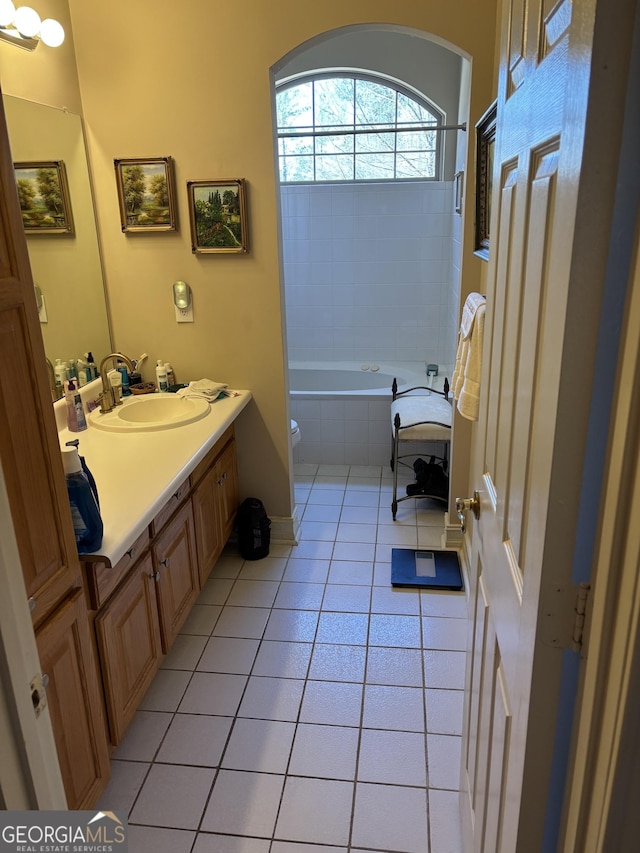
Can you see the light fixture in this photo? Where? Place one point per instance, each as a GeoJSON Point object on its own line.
{"type": "Point", "coordinates": [23, 27]}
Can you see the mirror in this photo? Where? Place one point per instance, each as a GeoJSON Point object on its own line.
{"type": "Point", "coordinates": [67, 269]}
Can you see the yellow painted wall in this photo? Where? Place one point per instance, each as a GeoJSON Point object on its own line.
{"type": "Point", "coordinates": [196, 86]}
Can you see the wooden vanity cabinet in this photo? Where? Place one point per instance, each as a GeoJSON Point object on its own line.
{"type": "Point", "coordinates": [176, 566]}
{"type": "Point", "coordinates": [128, 633]}
{"type": "Point", "coordinates": [215, 501]}
{"type": "Point", "coordinates": [74, 697]}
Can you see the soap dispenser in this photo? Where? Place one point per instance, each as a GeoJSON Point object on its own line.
{"type": "Point", "coordinates": [161, 375]}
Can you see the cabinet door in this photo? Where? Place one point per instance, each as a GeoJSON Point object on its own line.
{"type": "Point", "coordinates": [177, 567]}
{"type": "Point", "coordinates": [74, 697]}
{"type": "Point", "coordinates": [129, 643]}
{"type": "Point", "coordinates": [228, 489]}
{"type": "Point", "coordinates": [207, 524]}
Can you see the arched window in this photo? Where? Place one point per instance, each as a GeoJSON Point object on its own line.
{"type": "Point", "coordinates": [348, 127]}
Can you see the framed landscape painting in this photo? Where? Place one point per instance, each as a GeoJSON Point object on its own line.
{"type": "Point", "coordinates": [217, 210]}
{"type": "Point", "coordinates": [44, 197]}
{"type": "Point", "coordinates": [146, 194]}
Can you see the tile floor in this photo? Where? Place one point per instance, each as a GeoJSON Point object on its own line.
{"type": "Point", "coordinates": [307, 706]}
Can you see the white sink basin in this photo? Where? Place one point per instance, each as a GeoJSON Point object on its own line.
{"type": "Point", "coordinates": [150, 412]}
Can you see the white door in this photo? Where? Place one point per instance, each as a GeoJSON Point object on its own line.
{"type": "Point", "coordinates": [548, 245]}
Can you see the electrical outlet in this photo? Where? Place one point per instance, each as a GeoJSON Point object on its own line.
{"type": "Point", "coordinates": [184, 315]}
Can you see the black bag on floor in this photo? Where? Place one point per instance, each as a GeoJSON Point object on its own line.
{"type": "Point", "coordinates": [254, 529]}
{"type": "Point", "coordinates": [431, 479]}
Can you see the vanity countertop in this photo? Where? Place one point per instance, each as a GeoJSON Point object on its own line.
{"type": "Point", "coordinates": [137, 472]}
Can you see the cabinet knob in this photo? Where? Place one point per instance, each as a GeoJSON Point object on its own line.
{"type": "Point", "coordinates": [131, 552]}
{"type": "Point", "coordinates": [166, 563]}
{"type": "Point", "coordinates": [32, 603]}
{"type": "Point", "coordinates": [155, 576]}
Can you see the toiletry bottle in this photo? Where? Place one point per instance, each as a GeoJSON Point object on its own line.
{"type": "Point", "coordinates": [60, 373]}
{"type": "Point", "coordinates": [81, 369]}
{"type": "Point", "coordinates": [161, 375]}
{"type": "Point", "coordinates": [124, 372]}
{"type": "Point", "coordinates": [171, 377]}
{"type": "Point", "coordinates": [76, 443]}
{"type": "Point", "coordinates": [91, 365]}
{"type": "Point", "coordinates": [72, 372]}
{"type": "Point", "coordinates": [85, 514]}
{"type": "Point", "coordinates": [76, 420]}
{"type": "Point", "coordinates": [115, 380]}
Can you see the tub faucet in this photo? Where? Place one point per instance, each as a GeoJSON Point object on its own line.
{"type": "Point", "coordinates": [107, 397]}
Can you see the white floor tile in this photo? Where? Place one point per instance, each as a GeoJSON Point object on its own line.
{"type": "Point", "coordinates": [213, 693]}
{"type": "Point", "coordinates": [292, 625]}
{"type": "Point", "coordinates": [282, 660]}
{"type": "Point", "coordinates": [444, 711]}
{"type": "Point", "coordinates": [331, 662]}
{"type": "Point", "coordinates": [315, 810]}
{"type": "Point", "coordinates": [173, 796]}
{"type": "Point", "coordinates": [202, 619]}
{"type": "Point", "coordinates": [295, 847]}
{"type": "Point", "coordinates": [392, 758]}
{"type": "Point", "coordinates": [331, 703]}
{"type": "Point", "coordinates": [300, 595]}
{"type": "Point", "coordinates": [143, 737]}
{"type": "Point", "coordinates": [359, 515]}
{"type": "Point", "coordinates": [328, 752]}
{"type": "Point", "coordinates": [349, 628]}
{"type": "Point", "coordinates": [394, 631]}
{"type": "Point", "coordinates": [321, 512]}
{"type": "Point", "coordinates": [260, 746]}
{"type": "Point", "coordinates": [300, 570]}
{"type": "Point", "coordinates": [243, 804]}
{"type": "Point", "coordinates": [228, 654]}
{"type": "Point", "coordinates": [444, 761]}
{"type": "Point", "coordinates": [328, 497]}
{"type": "Point", "coordinates": [347, 598]}
{"type": "Point", "coordinates": [360, 498]}
{"type": "Point", "coordinates": [267, 569]}
{"type": "Point", "coordinates": [269, 698]}
{"type": "Point", "coordinates": [350, 572]}
{"type": "Point", "coordinates": [323, 530]}
{"type": "Point", "coordinates": [313, 549]}
{"type": "Point", "coordinates": [209, 843]}
{"type": "Point", "coordinates": [444, 822]}
{"type": "Point", "coordinates": [196, 739]}
{"type": "Point", "coordinates": [397, 601]}
{"type": "Point", "coordinates": [185, 652]}
{"type": "Point", "coordinates": [247, 622]}
{"type": "Point", "coordinates": [399, 536]}
{"type": "Point", "coordinates": [152, 839]}
{"type": "Point", "coordinates": [394, 708]}
{"type": "Point", "coordinates": [444, 634]}
{"type": "Point", "coordinates": [444, 669]}
{"type": "Point", "coordinates": [441, 603]}
{"type": "Point", "coordinates": [356, 532]}
{"type": "Point", "coordinates": [123, 787]}
{"type": "Point", "coordinates": [397, 667]}
{"type": "Point", "coordinates": [354, 551]}
{"type": "Point", "coordinates": [390, 817]}
{"type": "Point", "coordinates": [166, 690]}
{"type": "Point", "coordinates": [250, 593]}
{"type": "Point", "coordinates": [215, 590]}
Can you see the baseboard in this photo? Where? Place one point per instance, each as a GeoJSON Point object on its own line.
{"type": "Point", "coordinates": [453, 536]}
{"type": "Point", "coordinates": [285, 530]}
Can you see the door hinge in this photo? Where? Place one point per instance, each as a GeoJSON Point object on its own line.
{"type": "Point", "coordinates": [580, 611]}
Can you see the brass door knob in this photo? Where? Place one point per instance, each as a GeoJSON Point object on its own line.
{"type": "Point", "coordinates": [463, 504]}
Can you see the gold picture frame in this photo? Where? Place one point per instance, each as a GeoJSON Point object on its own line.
{"type": "Point", "coordinates": [146, 194]}
{"type": "Point", "coordinates": [44, 198]}
{"type": "Point", "coordinates": [485, 150]}
{"type": "Point", "coordinates": [218, 216]}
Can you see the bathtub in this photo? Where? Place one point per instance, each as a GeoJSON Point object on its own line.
{"type": "Point", "coordinates": [342, 408]}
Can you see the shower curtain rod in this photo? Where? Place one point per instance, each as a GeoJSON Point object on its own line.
{"type": "Point", "coordinates": [433, 127]}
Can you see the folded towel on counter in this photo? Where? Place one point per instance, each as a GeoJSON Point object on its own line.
{"type": "Point", "coordinates": [465, 382]}
{"type": "Point", "coordinates": [206, 389]}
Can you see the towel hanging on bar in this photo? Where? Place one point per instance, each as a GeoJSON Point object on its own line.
{"type": "Point", "coordinates": [465, 383]}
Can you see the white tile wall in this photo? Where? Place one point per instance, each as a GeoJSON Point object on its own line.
{"type": "Point", "coordinates": [371, 271]}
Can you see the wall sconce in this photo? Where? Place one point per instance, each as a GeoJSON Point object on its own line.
{"type": "Point", "coordinates": [23, 27]}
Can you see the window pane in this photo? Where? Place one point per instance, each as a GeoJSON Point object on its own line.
{"type": "Point", "coordinates": [375, 104]}
{"type": "Point", "coordinates": [375, 142]}
{"type": "Point", "coordinates": [299, 145]}
{"type": "Point", "coordinates": [334, 144]}
{"type": "Point", "coordinates": [371, 167]}
{"type": "Point", "coordinates": [416, 140]}
{"type": "Point", "coordinates": [411, 111]}
{"type": "Point", "coordinates": [294, 106]}
{"type": "Point", "coordinates": [416, 165]}
{"type": "Point", "coordinates": [296, 169]}
{"type": "Point", "coordinates": [334, 102]}
{"type": "Point", "coordinates": [337, 167]}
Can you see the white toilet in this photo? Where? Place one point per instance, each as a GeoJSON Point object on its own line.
{"type": "Point", "coordinates": [295, 433]}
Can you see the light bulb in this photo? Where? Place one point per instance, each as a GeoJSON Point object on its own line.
{"type": "Point", "coordinates": [27, 21]}
{"type": "Point", "coordinates": [7, 13]}
{"type": "Point", "coordinates": [51, 32]}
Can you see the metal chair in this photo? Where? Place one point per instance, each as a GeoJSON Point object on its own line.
{"type": "Point", "coordinates": [419, 414]}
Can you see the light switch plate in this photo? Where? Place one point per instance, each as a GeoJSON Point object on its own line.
{"type": "Point", "coordinates": [184, 315]}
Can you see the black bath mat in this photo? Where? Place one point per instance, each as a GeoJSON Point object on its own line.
{"type": "Point", "coordinates": [430, 569]}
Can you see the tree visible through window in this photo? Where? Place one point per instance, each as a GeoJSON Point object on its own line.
{"type": "Point", "coordinates": [350, 128]}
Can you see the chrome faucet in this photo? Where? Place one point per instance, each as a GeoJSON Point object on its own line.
{"type": "Point", "coordinates": [108, 397]}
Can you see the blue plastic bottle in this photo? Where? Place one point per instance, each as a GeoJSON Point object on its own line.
{"type": "Point", "coordinates": [85, 514]}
